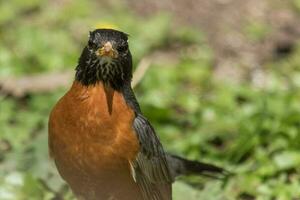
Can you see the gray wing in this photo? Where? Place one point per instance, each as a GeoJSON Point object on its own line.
{"type": "Point", "coordinates": [151, 170]}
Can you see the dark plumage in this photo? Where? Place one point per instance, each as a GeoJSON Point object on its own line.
{"type": "Point", "coordinates": [113, 71]}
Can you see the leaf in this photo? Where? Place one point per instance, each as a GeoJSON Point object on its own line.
{"type": "Point", "coordinates": [287, 159]}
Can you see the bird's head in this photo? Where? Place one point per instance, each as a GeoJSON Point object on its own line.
{"type": "Point", "coordinates": [106, 58]}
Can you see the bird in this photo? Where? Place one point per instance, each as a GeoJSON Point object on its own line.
{"type": "Point", "coordinates": [101, 143]}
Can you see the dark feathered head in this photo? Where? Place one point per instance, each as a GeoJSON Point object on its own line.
{"type": "Point", "coordinates": [106, 58]}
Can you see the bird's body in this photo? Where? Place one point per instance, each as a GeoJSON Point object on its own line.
{"type": "Point", "coordinates": [103, 146]}
{"type": "Point", "coordinates": [92, 145]}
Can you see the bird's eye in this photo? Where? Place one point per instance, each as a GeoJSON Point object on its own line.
{"type": "Point", "coordinates": [91, 44]}
{"type": "Point", "coordinates": [122, 48]}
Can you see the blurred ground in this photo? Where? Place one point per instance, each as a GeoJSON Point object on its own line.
{"type": "Point", "coordinates": [243, 34]}
{"type": "Point", "coordinates": [222, 86]}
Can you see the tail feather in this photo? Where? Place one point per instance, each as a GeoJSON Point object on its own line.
{"type": "Point", "coordinates": [181, 166]}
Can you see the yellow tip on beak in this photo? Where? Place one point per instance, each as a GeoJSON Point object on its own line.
{"type": "Point", "coordinates": [107, 50]}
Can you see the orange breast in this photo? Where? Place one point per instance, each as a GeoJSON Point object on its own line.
{"type": "Point", "coordinates": [92, 141]}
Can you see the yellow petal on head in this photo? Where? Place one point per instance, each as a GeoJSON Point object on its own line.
{"type": "Point", "coordinates": [105, 26]}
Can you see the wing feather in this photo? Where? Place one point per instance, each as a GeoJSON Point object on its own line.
{"type": "Point", "coordinates": [152, 172]}
{"type": "Point", "coordinates": [150, 168]}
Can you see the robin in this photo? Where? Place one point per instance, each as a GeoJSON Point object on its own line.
{"type": "Point", "coordinates": [102, 144]}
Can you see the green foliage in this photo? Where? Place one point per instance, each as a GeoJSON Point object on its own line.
{"type": "Point", "coordinates": [252, 131]}
{"type": "Point", "coordinates": [296, 4]}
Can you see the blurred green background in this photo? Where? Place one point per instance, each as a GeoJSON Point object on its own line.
{"type": "Point", "coordinates": [222, 87]}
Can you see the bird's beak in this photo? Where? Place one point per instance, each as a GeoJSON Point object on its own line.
{"type": "Point", "coordinates": [107, 50]}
